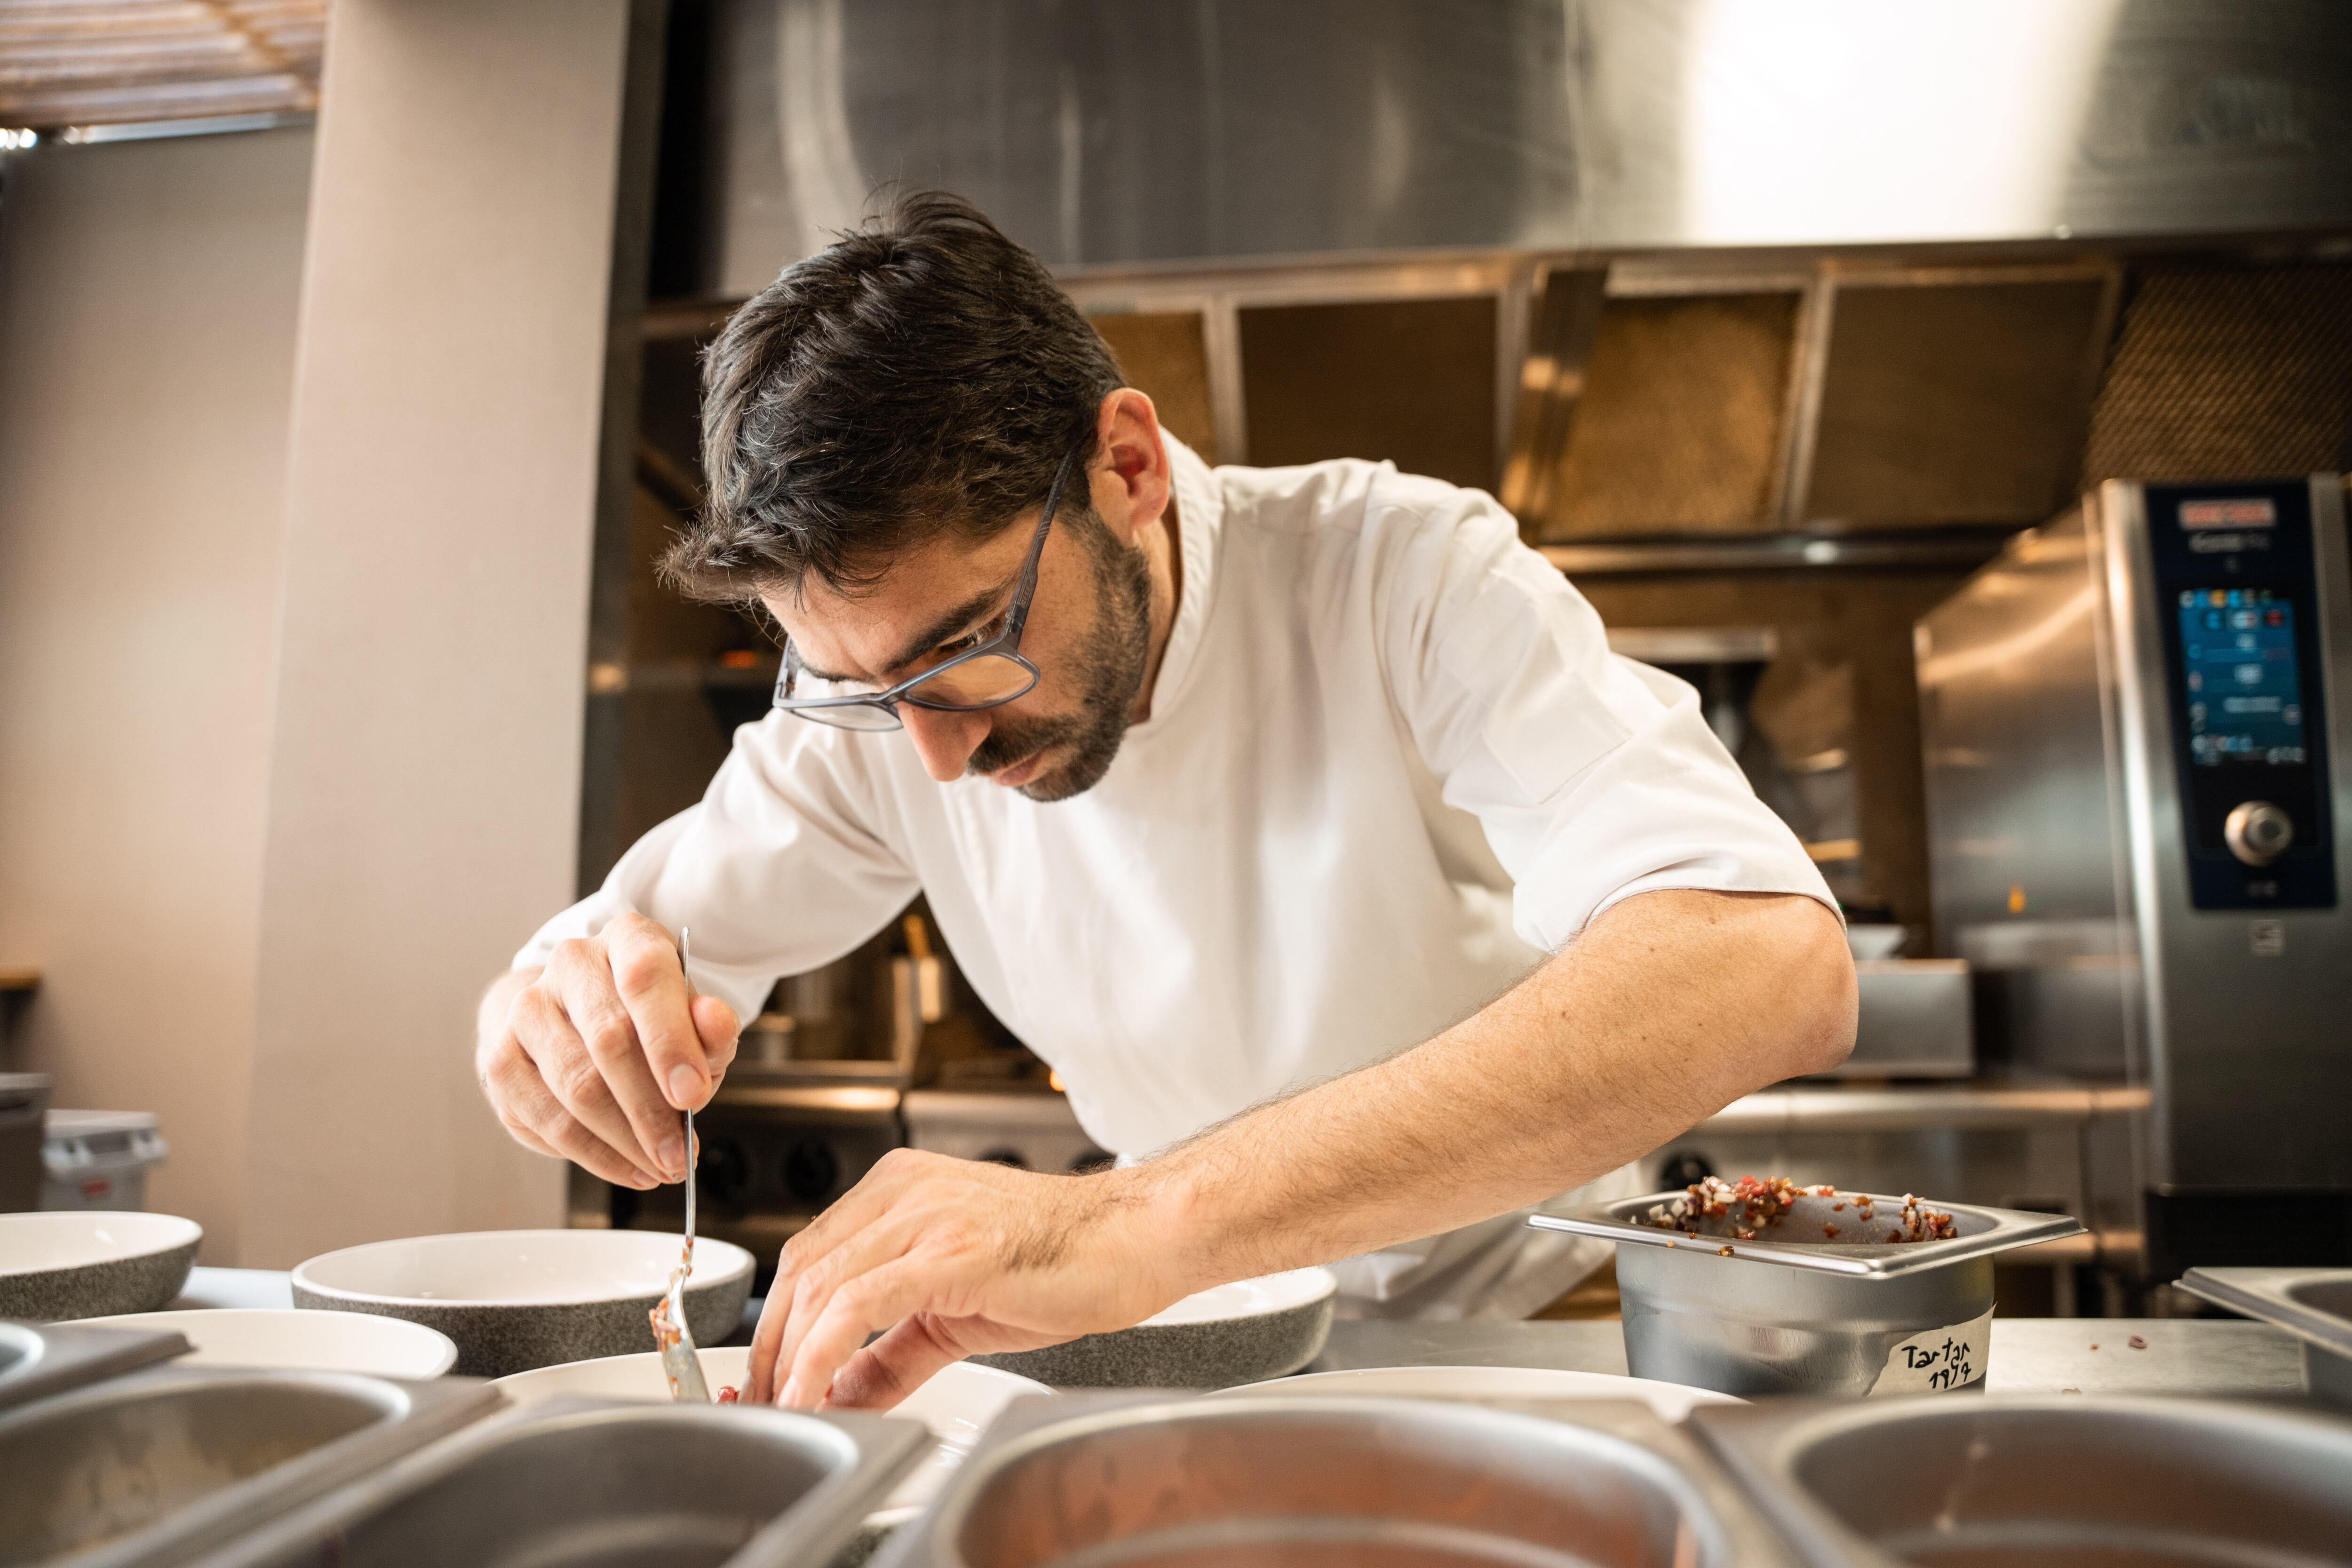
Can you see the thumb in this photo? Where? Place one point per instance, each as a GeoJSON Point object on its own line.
{"type": "Point", "coordinates": [716, 1025]}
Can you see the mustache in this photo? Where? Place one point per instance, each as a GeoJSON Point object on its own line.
{"type": "Point", "coordinates": [1013, 740]}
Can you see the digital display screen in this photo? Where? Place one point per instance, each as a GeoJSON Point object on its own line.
{"type": "Point", "coordinates": [2245, 694]}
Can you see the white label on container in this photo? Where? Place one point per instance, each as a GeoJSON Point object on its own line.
{"type": "Point", "coordinates": [1938, 1359]}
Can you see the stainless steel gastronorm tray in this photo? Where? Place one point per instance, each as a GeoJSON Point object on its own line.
{"type": "Point", "coordinates": [1120, 1481]}
{"type": "Point", "coordinates": [2002, 1481]}
{"type": "Point", "coordinates": [149, 1468]}
{"type": "Point", "coordinates": [572, 1482]}
{"type": "Point", "coordinates": [1798, 1241]}
{"type": "Point", "coordinates": [37, 1359]}
{"type": "Point", "coordinates": [2314, 1305]}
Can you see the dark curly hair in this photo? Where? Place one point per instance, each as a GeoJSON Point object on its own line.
{"type": "Point", "coordinates": [924, 374]}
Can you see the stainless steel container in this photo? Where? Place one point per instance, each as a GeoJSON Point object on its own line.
{"type": "Point", "coordinates": [574, 1482]}
{"type": "Point", "coordinates": [1131, 1479]}
{"type": "Point", "coordinates": [155, 1467]}
{"type": "Point", "coordinates": [2314, 1305]}
{"type": "Point", "coordinates": [1836, 1309]}
{"type": "Point", "coordinates": [37, 1359]}
{"type": "Point", "coordinates": [2013, 1482]}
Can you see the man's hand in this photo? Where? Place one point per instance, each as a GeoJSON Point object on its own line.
{"type": "Point", "coordinates": [1670, 1005]}
{"type": "Point", "coordinates": [953, 1258]}
{"type": "Point", "coordinates": [592, 1058]}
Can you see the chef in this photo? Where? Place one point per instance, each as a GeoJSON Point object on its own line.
{"type": "Point", "coordinates": [1299, 817]}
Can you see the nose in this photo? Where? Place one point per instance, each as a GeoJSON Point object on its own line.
{"type": "Point", "coordinates": [944, 740]}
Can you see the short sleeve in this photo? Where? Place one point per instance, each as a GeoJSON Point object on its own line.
{"type": "Point", "coordinates": [779, 870]}
{"type": "Point", "coordinates": [1593, 777]}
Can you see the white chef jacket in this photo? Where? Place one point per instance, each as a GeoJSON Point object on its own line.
{"type": "Point", "coordinates": [1391, 765]}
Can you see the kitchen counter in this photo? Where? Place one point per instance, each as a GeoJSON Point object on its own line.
{"type": "Point", "coordinates": [2029, 1356]}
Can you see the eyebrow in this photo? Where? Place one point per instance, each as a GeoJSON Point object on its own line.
{"type": "Point", "coordinates": [942, 629]}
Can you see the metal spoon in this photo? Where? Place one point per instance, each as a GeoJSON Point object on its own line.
{"type": "Point", "coordinates": [679, 1361]}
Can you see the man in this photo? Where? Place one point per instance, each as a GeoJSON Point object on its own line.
{"type": "Point", "coordinates": [1300, 818]}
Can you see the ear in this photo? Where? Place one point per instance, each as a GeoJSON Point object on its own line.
{"type": "Point", "coordinates": [1129, 476]}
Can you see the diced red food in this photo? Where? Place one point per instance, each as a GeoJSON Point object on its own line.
{"type": "Point", "coordinates": [728, 1393]}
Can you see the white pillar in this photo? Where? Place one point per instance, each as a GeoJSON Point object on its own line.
{"type": "Point", "coordinates": [424, 756]}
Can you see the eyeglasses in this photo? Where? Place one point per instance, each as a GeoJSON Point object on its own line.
{"type": "Point", "coordinates": [988, 675]}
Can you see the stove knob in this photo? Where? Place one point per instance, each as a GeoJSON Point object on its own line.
{"type": "Point", "coordinates": [2258, 832]}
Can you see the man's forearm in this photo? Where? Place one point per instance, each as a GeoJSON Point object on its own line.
{"type": "Point", "coordinates": [1668, 1007]}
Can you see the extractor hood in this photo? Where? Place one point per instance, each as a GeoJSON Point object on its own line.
{"type": "Point", "coordinates": [1108, 136]}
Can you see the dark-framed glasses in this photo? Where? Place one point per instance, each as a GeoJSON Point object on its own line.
{"type": "Point", "coordinates": [989, 674]}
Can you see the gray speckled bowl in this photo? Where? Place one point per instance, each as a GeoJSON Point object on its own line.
{"type": "Point", "coordinates": [92, 1263]}
{"type": "Point", "coordinates": [1243, 1332]}
{"type": "Point", "coordinates": [515, 1300]}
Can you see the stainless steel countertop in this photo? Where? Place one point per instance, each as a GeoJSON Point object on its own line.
{"type": "Point", "coordinates": [1975, 1105]}
{"type": "Point", "coordinates": [2029, 1356]}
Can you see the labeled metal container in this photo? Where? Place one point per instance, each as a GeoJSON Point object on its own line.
{"type": "Point", "coordinates": [574, 1482]}
{"type": "Point", "coordinates": [1836, 1308]}
{"type": "Point", "coordinates": [2003, 1481]}
{"type": "Point", "coordinates": [37, 1359]}
{"type": "Point", "coordinates": [1129, 1479]}
{"type": "Point", "coordinates": [2314, 1305]}
{"type": "Point", "coordinates": [155, 1467]}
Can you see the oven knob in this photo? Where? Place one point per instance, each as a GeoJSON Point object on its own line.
{"type": "Point", "coordinates": [2258, 832]}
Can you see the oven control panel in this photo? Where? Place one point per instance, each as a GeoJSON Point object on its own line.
{"type": "Point", "coordinates": [2236, 599]}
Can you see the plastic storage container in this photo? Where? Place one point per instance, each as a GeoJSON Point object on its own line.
{"type": "Point", "coordinates": [98, 1159]}
{"type": "Point", "coordinates": [23, 1100]}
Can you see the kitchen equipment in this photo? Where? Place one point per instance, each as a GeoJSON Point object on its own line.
{"type": "Point", "coordinates": [92, 1264]}
{"type": "Point", "coordinates": [571, 1483]}
{"type": "Point", "coordinates": [2162, 1483]}
{"type": "Point", "coordinates": [24, 1098]}
{"type": "Point", "coordinates": [1666, 1401]}
{"type": "Point", "coordinates": [1032, 1128]}
{"type": "Point", "coordinates": [673, 1336]}
{"type": "Point", "coordinates": [2135, 788]}
{"type": "Point", "coordinates": [36, 1361]}
{"type": "Point", "coordinates": [287, 1339]}
{"type": "Point", "coordinates": [777, 1147]}
{"type": "Point", "coordinates": [98, 1159]}
{"type": "Point", "coordinates": [1135, 1479]}
{"type": "Point", "coordinates": [1829, 1310]}
{"type": "Point", "coordinates": [514, 1300]}
{"type": "Point", "coordinates": [957, 1402]}
{"type": "Point", "coordinates": [156, 1465]}
{"type": "Point", "coordinates": [1241, 1333]}
{"type": "Point", "coordinates": [2314, 1305]}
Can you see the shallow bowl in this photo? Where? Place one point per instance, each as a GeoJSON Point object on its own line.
{"type": "Point", "coordinates": [288, 1339]}
{"type": "Point", "coordinates": [1242, 1333]}
{"type": "Point", "coordinates": [92, 1263]}
{"type": "Point", "coordinates": [515, 1300]}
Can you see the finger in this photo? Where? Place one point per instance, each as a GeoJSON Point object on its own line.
{"type": "Point", "coordinates": [652, 985]}
{"type": "Point", "coordinates": [593, 1006]}
{"type": "Point", "coordinates": [535, 1117]}
{"type": "Point", "coordinates": [570, 1074]}
{"type": "Point", "coordinates": [767, 1337]}
{"type": "Point", "coordinates": [908, 1354]}
{"type": "Point", "coordinates": [719, 1031]}
{"type": "Point", "coordinates": [861, 1252]}
{"type": "Point", "coordinates": [871, 1301]}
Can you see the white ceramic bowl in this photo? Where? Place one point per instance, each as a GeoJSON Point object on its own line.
{"type": "Point", "coordinates": [515, 1300]}
{"type": "Point", "coordinates": [1240, 1333]}
{"type": "Point", "coordinates": [91, 1263]}
{"type": "Point", "coordinates": [281, 1338]}
{"type": "Point", "coordinates": [957, 1404]}
{"type": "Point", "coordinates": [1671, 1401]}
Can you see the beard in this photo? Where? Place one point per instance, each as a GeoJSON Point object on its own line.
{"type": "Point", "coordinates": [1111, 660]}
